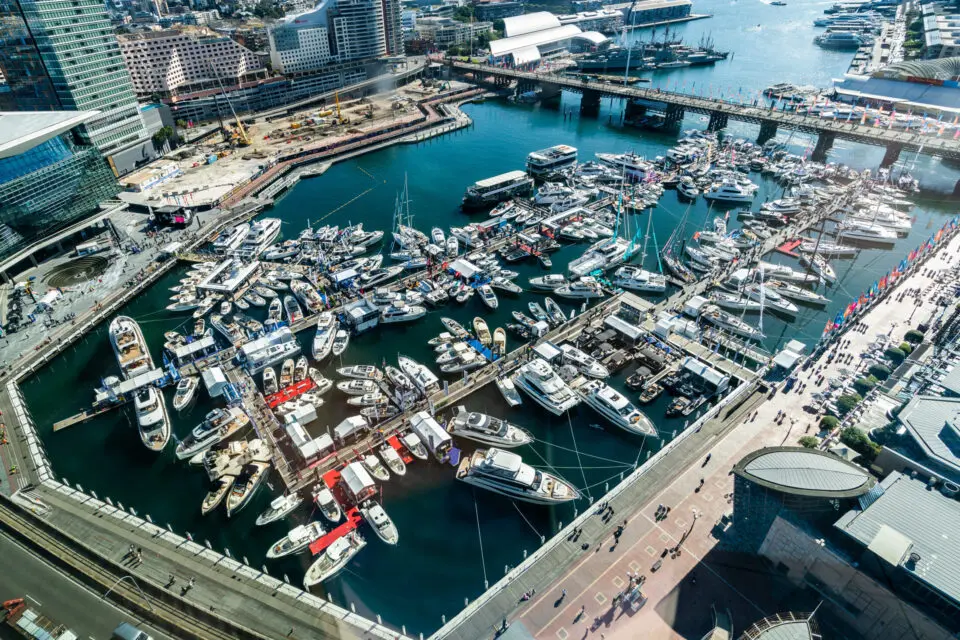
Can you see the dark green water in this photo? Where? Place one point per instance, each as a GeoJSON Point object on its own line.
{"type": "Point", "coordinates": [440, 560]}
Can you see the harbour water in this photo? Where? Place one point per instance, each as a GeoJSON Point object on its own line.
{"type": "Point", "coordinates": [453, 540]}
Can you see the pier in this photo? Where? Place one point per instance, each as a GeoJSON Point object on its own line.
{"type": "Point", "coordinates": [676, 105]}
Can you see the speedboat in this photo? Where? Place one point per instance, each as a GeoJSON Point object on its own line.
{"type": "Point", "coordinates": [217, 493]}
{"type": "Point", "coordinates": [499, 341]}
{"type": "Point", "coordinates": [509, 391]}
{"type": "Point", "coordinates": [246, 486]}
{"type": "Point", "coordinates": [380, 522]}
{"type": "Point", "coordinates": [373, 465]}
{"type": "Point", "coordinates": [423, 379]}
{"type": "Point", "coordinates": [414, 445]}
{"type": "Point", "coordinates": [269, 381]}
{"type": "Point", "coordinates": [292, 309]}
{"type": "Point", "coordinates": [538, 380]}
{"type": "Point", "coordinates": [279, 508]}
{"type": "Point", "coordinates": [300, 370]}
{"type": "Point", "coordinates": [482, 331]}
{"type": "Point", "coordinates": [152, 420]}
{"type": "Point", "coordinates": [286, 372]}
{"type": "Point", "coordinates": [455, 328]}
{"type": "Point", "coordinates": [615, 407]}
{"type": "Point", "coordinates": [392, 459]}
{"type": "Point", "coordinates": [358, 387]}
{"type": "Point", "coordinates": [296, 540]}
{"type": "Point", "coordinates": [327, 504]}
{"type": "Point", "coordinates": [506, 473]}
{"type": "Point", "coordinates": [549, 282]}
{"type": "Point", "coordinates": [555, 314]}
{"type": "Point", "coordinates": [400, 311]}
{"type": "Point", "coordinates": [320, 384]}
{"type": "Point", "coordinates": [186, 392]}
{"type": "Point", "coordinates": [334, 558]}
{"type": "Point", "coordinates": [464, 362]}
{"type": "Point", "coordinates": [361, 372]}
{"type": "Point", "coordinates": [488, 297]}
{"type": "Point", "coordinates": [323, 339]}
{"type": "Point", "coordinates": [486, 429]}
{"type": "Point", "coordinates": [367, 400]}
{"type": "Point", "coordinates": [438, 236]}
{"type": "Point", "coordinates": [340, 341]}
{"type": "Point", "coordinates": [587, 365]}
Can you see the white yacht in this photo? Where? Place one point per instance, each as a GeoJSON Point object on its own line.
{"type": "Point", "coordinates": [585, 288]}
{"type": "Point", "coordinates": [423, 379]}
{"type": "Point", "coordinates": [380, 522]}
{"type": "Point", "coordinates": [615, 407]}
{"type": "Point", "coordinates": [772, 300]}
{"type": "Point", "coordinates": [296, 540]}
{"type": "Point", "coordinates": [400, 311]}
{"type": "Point", "coordinates": [634, 278]}
{"type": "Point", "coordinates": [552, 192]}
{"type": "Point", "coordinates": [793, 292]}
{"type": "Point", "coordinates": [261, 235]}
{"type": "Point", "coordinates": [734, 301]}
{"type": "Point", "coordinates": [827, 248]}
{"type": "Point", "coordinates": [218, 425]}
{"type": "Point", "coordinates": [279, 508]}
{"type": "Point", "coordinates": [549, 282]}
{"type": "Point", "coordinates": [539, 381]}
{"type": "Point", "coordinates": [488, 297]}
{"type": "Point", "coordinates": [731, 323]}
{"type": "Point", "coordinates": [551, 159]}
{"type": "Point", "coordinates": [603, 255]}
{"type": "Point", "coordinates": [323, 339]}
{"type": "Point", "coordinates": [506, 473]}
{"type": "Point", "coordinates": [152, 419]}
{"type": "Point", "coordinates": [729, 191]}
{"type": "Point", "coordinates": [230, 239]}
{"type": "Point", "coordinates": [630, 164]}
{"type": "Point", "coordinates": [486, 429]}
{"type": "Point", "coordinates": [851, 229]}
{"type": "Point", "coordinates": [334, 558]}
{"type": "Point", "coordinates": [587, 365]}
{"type": "Point", "coordinates": [130, 348]}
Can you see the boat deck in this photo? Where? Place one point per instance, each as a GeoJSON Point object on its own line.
{"type": "Point", "coordinates": [295, 390]}
{"type": "Point", "coordinates": [789, 247]}
{"type": "Point", "coordinates": [352, 522]}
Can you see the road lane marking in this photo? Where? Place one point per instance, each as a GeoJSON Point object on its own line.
{"type": "Point", "coordinates": [29, 597]}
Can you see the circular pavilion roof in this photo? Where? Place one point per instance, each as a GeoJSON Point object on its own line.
{"type": "Point", "coordinates": [806, 472]}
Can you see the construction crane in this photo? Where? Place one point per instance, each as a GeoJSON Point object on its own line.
{"type": "Point", "coordinates": [239, 136]}
{"type": "Point", "coordinates": [340, 118]}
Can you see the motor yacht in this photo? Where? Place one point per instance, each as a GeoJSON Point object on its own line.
{"type": "Point", "coordinates": [488, 297]}
{"type": "Point", "coordinates": [358, 387]}
{"type": "Point", "coordinates": [246, 486]}
{"type": "Point", "coordinates": [506, 473]}
{"type": "Point", "coordinates": [482, 331]}
{"type": "Point", "coordinates": [375, 467]}
{"type": "Point", "coordinates": [380, 522]}
{"type": "Point", "coordinates": [334, 558]}
{"type": "Point", "coordinates": [487, 429]}
{"type": "Point", "coordinates": [129, 347]}
{"type": "Point", "coordinates": [603, 256]}
{"type": "Point", "coordinates": [186, 392]}
{"type": "Point", "coordinates": [340, 341]}
{"type": "Point", "coordinates": [152, 420]}
{"type": "Point", "coordinates": [296, 540]}
{"type": "Point", "coordinates": [328, 505]}
{"type": "Point", "coordinates": [392, 459]}
{"type": "Point", "coordinates": [217, 493]}
{"type": "Point", "coordinates": [585, 288]}
{"type": "Point", "coordinates": [615, 407]}
{"type": "Point", "coordinates": [323, 338]}
{"type": "Point", "coordinates": [292, 309]}
{"type": "Point", "coordinates": [218, 425]}
{"type": "Point", "coordinates": [279, 508]}
{"type": "Point", "coordinates": [270, 385]}
{"type": "Point", "coordinates": [509, 391]}
{"type": "Point", "coordinates": [538, 380]}
{"type": "Point", "coordinates": [634, 278]}
{"type": "Point", "coordinates": [549, 282]}
{"type": "Point", "coordinates": [261, 235]}
{"type": "Point", "coordinates": [423, 379]}
{"type": "Point", "coordinates": [729, 191]}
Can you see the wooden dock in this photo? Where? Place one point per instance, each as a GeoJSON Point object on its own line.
{"type": "Point", "coordinates": [83, 416]}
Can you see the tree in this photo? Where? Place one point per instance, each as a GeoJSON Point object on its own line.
{"type": "Point", "coordinates": [913, 336]}
{"type": "Point", "coordinates": [182, 123]}
{"type": "Point", "coordinates": [857, 440]}
{"type": "Point", "coordinates": [864, 385]}
{"type": "Point", "coordinates": [463, 14]}
{"type": "Point", "coordinates": [829, 423]}
{"type": "Point", "coordinates": [161, 137]}
{"type": "Point", "coordinates": [847, 402]}
{"type": "Point", "coordinates": [895, 355]}
{"type": "Point", "coordinates": [879, 371]}
{"type": "Point", "coordinates": [809, 442]}
{"type": "Point", "coordinates": [266, 9]}
{"type": "Point", "coordinates": [499, 26]}
{"type": "Point", "coordinates": [906, 347]}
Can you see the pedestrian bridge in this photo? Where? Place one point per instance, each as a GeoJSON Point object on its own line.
{"type": "Point", "coordinates": [676, 105]}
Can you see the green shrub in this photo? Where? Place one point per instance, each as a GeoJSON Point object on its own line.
{"type": "Point", "coordinates": [809, 442]}
{"type": "Point", "coordinates": [879, 371]}
{"type": "Point", "coordinates": [906, 347]}
{"type": "Point", "coordinates": [857, 440]}
{"type": "Point", "coordinates": [864, 385]}
{"type": "Point", "coordinates": [847, 402]}
{"type": "Point", "coordinates": [894, 355]}
{"type": "Point", "coordinates": [829, 423]}
{"type": "Point", "coordinates": [913, 336]}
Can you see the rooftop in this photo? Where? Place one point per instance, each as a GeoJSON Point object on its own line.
{"type": "Point", "coordinates": [914, 527]}
{"type": "Point", "coordinates": [805, 472]}
{"type": "Point", "coordinates": [23, 130]}
{"type": "Point", "coordinates": [934, 424]}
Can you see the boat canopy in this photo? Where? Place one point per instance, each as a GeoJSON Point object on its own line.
{"type": "Point", "coordinates": [187, 350]}
{"type": "Point", "coordinates": [548, 351]}
{"type": "Point", "coordinates": [464, 268]}
{"type": "Point", "coordinates": [620, 325]}
{"type": "Point", "coordinates": [357, 480]}
{"type": "Point", "coordinates": [436, 438]}
{"type": "Point", "coordinates": [350, 426]}
{"type": "Point", "coordinates": [215, 380]}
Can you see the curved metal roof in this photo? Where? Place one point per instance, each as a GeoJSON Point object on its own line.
{"type": "Point", "coordinates": [21, 131]}
{"type": "Point", "coordinates": [529, 22]}
{"type": "Point", "coordinates": [941, 69]}
{"type": "Point", "coordinates": [521, 43]}
{"type": "Point", "coordinates": [807, 472]}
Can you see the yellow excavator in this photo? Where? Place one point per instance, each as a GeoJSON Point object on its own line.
{"type": "Point", "coordinates": [340, 118]}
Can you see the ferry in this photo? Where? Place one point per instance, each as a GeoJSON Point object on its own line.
{"type": "Point", "coordinates": [490, 191]}
{"type": "Point", "coordinates": [634, 278]}
{"type": "Point", "coordinates": [230, 239]}
{"type": "Point", "coordinates": [539, 381]}
{"type": "Point", "coordinates": [261, 235]}
{"type": "Point", "coordinates": [486, 429]}
{"type": "Point", "coordinates": [279, 508]}
{"type": "Point", "coordinates": [296, 540]}
{"type": "Point", "coordinates": [217, 426]}
{"type": "Point", "coordinates": [334, 558]}
{"type": "Point", "coordinates": [131, 350]}
{"type": "Point", "coordinates": [551, 159]}
{"type": "Point", "coordinates": [152, 420]}
{"type": "Point", "coordinates": [506, 473]}
{"type": "Point", "coordinates": [615, 407]}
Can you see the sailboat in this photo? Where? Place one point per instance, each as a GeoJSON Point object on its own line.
{"type": "Point", "coordinates": [634, 278]}
{"type": "Point", "coordinates": [671, 260]}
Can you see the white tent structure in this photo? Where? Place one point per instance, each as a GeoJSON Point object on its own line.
{"type": "Point", "coordinates": [531, 36]}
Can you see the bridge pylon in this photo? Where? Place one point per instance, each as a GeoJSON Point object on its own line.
{"type": "Point", "coordinates": [824, 144]}
{"type": "Point", "coordinates": [892, 154]}
{"type": "Point", "coordinates": [590, 102]}
{"type": "Point", "coordinates": [768, 130]}
{"type": "Point", "coordinates": [718, 121]}
{"type": "Point", "coordinates": [673, 114]}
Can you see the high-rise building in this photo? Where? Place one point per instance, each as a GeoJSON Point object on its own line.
{"type": "Point", "coordinates": [50, 177]}
{"type": "Point", "coordinates": [358, 28]}
{"type": "Point", "coordinates": [301, 43]}
{"type": "Point", "coordinates": [393, 26]}
{"type": "Point", "coordinates": [177, 61]}
{"type": "Point", "coordinates": [63, 55]}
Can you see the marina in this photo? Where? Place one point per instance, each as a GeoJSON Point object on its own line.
{"type": "Point", "coordinates": [617, 324]}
